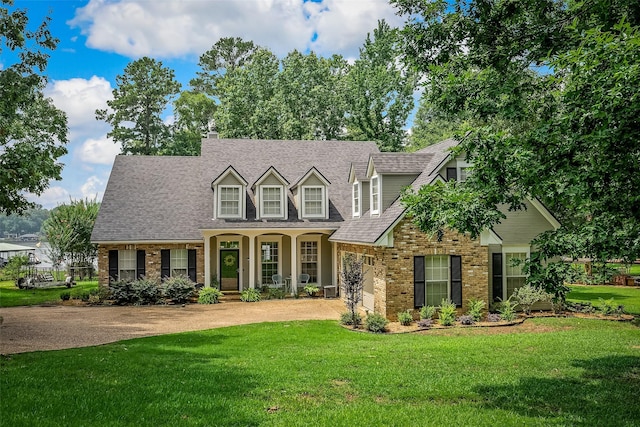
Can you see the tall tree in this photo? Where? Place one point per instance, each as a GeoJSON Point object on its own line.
{"type": "Point", "coordinates": [430, 126]}
{"type": "Point", "coordinates": [142, 94]}
{"type": "Point", "coordinates": [193, 114]}
{"type": "Point", "coordinates": [225, 55]}
{"type": "Point", "coordinates": [380, 91]}
{"type": "Point", "coordinates": [566, 133]}
{"type": "Point", "coordinates": [33, 132]}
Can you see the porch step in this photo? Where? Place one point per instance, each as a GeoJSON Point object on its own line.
{"type": "Point", "coordinates": [230, 296]}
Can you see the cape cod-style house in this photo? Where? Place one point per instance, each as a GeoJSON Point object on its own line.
{"type": "Point", "coordinates": [245, 210]}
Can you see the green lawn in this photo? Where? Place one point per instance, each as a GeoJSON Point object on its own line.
{"type": "Point", "coordinates": [544, 372]}
{"type": "Point", "coordinates": [629, 297]}
{"type": "Point", "coordinates": [12, 296]}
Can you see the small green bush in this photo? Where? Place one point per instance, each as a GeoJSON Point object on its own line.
{"type": "Point", "coordinates": [476, 307]}
{"type": "Point", "coordinates": [121, 292]}
{"type": "Point", "coordinates": [311, 290]}
{"type": "Point", "coordinates": [425, 323]}
{"type": "Point", "coordinates": [250, 295]}
{"type": "Point", "coordinates": [145, 291]}
{"type": "Point", "coordinates": [447, 313]}
{"type": "Point", "coordinates": [427, 312]}
{"type": "Point", "coordinates": [178, 289]}
{"type": "Point", "coordinates": [405, 318]}
{"type": "Point", "coordinates": [527, 295]}
{"type": "Point", "coordinates": [493, 317]}
{"type": "Point", "coordinates": [610, 306]}
{"type": "Point", "coordinates": [375, 322]}
{"type": "Point", "coordinates": [209, 296]}
{"type": "Point", "coordinates": [65, 296]}
{"type": "Point", "coordinates": [466, 319]}
{"type": "Point", "coordinates": [347, 318]}
{"type": "Point", "coordinates": [85, 295]}
{"type": "Point", "coordinates": [275, 293]}
{"type": "Point", "coordinates": [507, 310]}
{"type": "Point", "coordinates": [94, 299]}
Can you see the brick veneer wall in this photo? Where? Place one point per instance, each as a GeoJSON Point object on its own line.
{"type": "Point", "coordinates": [152, 258]}
{"type": "Point", "coordinates": [393, 267]}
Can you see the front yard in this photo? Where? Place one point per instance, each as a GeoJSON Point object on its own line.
{"type": "Point", "coordinates": [551, 371]}
{"type": "Point", "coordinates": [11, 296]}
{"type": "Point", "coordinates": [628, 297]}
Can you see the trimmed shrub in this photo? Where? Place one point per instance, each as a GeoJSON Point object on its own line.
{"type": "Point", "coordinates": [121, 292]}
{"type": "Point", "coordinates": [275, 293]}
{"type": "Point", "coordinates": [145, 291]}
{"type": "Point", "coordinates": [405, 318]}
{"type": "Point", "coordinates": [527, 295]}
{"type": "Point", "coordinates": [65, 296]}
{"type": "Point", "coordinates": [447, 313]}
{"type": "Point", "coordinates": [427, 312]}
{"type": "Point", "coordinates": [209, 296]}
{"type": "Point", "coordinates": [348, 318]}
{"type": "Point", "coordinates": [250, 295]}
{"type": "Point", "coordinates": [178, 289]}
{"type": "Point", "coordinates": [375, 322]}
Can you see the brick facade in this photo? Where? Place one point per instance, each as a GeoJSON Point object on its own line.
{"type": "Point", "coordinates": [393, 267]}
{"type": "Point", "coordinates": [152, 258]}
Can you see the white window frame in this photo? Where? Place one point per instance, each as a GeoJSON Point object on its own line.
{"type": "Point", "coordinates": [178, 259]}
{"type": "Point", "coordinates": [280, 214]}
{"type": "Point", "coordinates": [323, 196]}
{"type": "Point", "coordinates": [356, 199]}
{"type": "Point", "coordinates": [460, 166]}
{"type": "Point", "coordinates": [127, 256]}
{"type": "Point", "coordinates": [269, 239]}
{"type": "Point", "coordinates": [375, 194]}
{"type": "Point", "coordinates": [506, 250]}
{"type": "Point", "coordinates": [448, 278]}
{"type": "Point", "coordinates": [318, 257]}
{"type": "Point", "coordinates": [240, 202]}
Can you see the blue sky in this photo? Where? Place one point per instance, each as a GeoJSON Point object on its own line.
{"type": "Point", "coordinates": [98, 38]}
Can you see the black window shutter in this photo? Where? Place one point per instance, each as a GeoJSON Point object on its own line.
{"type": "Point", "coordinates": [192, 265]}
{"type": "Point", "coordinates": [113, 265]}
{"type": "Point", "coordinates": [452, 174]}
{"type": "Point", "coordinates": [418, 282]}
{"type": "Point", "coordinates": [496, 279]}
{"type": "Point", "coordinates": [456, 280]}
{"type": "Point", "coordinates": [165, 263]}
{"type": "Point", "coordinates": [140, 264]}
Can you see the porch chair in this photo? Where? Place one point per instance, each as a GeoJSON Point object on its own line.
{"type": "Point", "coordinates": [303, 280]}
{"type": "Point", "coordinates": [277, 280]}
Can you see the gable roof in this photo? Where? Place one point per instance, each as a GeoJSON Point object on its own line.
{"type": "Point", "coordinates": [312, 171]}
{"type": "Point", "coordinates": [398, 163]}
{"type": "Point", "coordinates": [270, 172]}
{"type": "Point", "coordinates": [169, 198]}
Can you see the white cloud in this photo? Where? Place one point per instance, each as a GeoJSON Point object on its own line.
{"type": "Point", "coordinates": [79, 99]}
{"type": "Point", "coordinates": [93, 188]}
{"type": "Point", "coordinates": [98, 151]}
{"type": "Point", "coordinates": [51, 197]}
{"type": "Point", "coordinates": [136, 28]}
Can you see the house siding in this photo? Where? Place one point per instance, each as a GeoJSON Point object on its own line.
{"type": "Point", "coordinates": [152, 258]}
{"type": "Point", "coordinates": [520, 227]}
{"type": "Point", "coordinates": [392, 186]}
{"type": "Point", "coordinates": [393, 267]}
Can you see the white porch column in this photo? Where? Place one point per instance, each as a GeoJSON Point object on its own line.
{"type": "Point", "coordinates": [294, 264]}
{"type": "Point", "coordinates": [207, 261]}
{"type": "Point", "coordinates": [252, 261]}
{"type": "Point", "coordinates": [335, 280]}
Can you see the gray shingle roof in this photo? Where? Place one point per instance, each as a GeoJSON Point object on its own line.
{"type": "Point", "coordinates": [400, 163]}
{"type": "Point", "coordinates": [367, 229]}
{"type": "Point", "coordinates": [162, 198]}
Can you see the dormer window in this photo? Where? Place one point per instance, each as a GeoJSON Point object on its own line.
{"type": "Point", "coordinates": [313, 202]}
{"type": "Point", "coordinates": [229, 201]}
{"type": "Point", "coordinates": [375, 195]}
{"type": "Point", "coordinates": [356, 199]}
{"type": "Point", "coordinates": [229, 190]}
{"type": "Point", "coordinates": [271, 201]}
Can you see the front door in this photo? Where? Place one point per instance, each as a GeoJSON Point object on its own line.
{"type": "Point", "coordinates": [229, 269]}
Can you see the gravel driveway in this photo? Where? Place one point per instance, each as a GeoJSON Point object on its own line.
{"type": "Point", "coordinates": [57, 327]}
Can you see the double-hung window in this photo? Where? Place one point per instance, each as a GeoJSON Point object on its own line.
{"type": "Point", "coordinates": [309, 259]}
{"type": "Point", "coordinates": [514, 271]}
{"type": "Point", "coordinates": [437, 277]}
{"type": "Point", "coordinates": [179, 262]}
{"type": "Point", "coordinates": [375, 195]}
{"type": "Point", "coordinates": [313, 205]}
{"type": "Point", "coordinates": [269, 260]}
{"type": "Point", "coordinates": [229, 203]}
{"type": "Point", "coordinates": [272, 201]}
{"type": "Point", "coordinates": [356, 199]}
{"type": "Point", "coordinates": [127, 265]}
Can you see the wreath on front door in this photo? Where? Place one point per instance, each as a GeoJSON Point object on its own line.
{"type": "Point", "coordinates": [229, 260]}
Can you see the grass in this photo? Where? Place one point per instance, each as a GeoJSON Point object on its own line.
{"type": "Point", "coordinates": [545, 372]}
{"type": "Point", "coordinates": [629, 297]}
{"type": "Point", "coordinates": [12, 296]}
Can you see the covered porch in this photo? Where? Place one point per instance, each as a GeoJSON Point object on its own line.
{"type": "Point", "coordinates": [236, 260]}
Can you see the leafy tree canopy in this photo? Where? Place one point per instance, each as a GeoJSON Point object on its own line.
{"type": "Point", "coordinates": [33, 132]}
{"type": "Point", "coordinates": [550, 89]}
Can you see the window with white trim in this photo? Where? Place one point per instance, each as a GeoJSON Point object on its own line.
{"type": "Point", "coordinates": [179, 262]}
{"type": "Point", "coordinates": [127, 265]}
{"type": "Point", "coordinates": [515, 276]}
{"type": "Point", "coordinates": [375, 195]}
{"type": "Point", "coordinates": [356, 199]}
{"type": "Point", "coordinates": [271, 201]}
{"type": "Point", "coordinates": [309, 259]}
{"type": "Point", "coordinates": [313, 205]}
{"type": "Point", "coordinates": [268, 260]}
{"type": "Point", "coordinates": [229, 202]}
{"type": "Point", "coordinates": [436, 279]}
